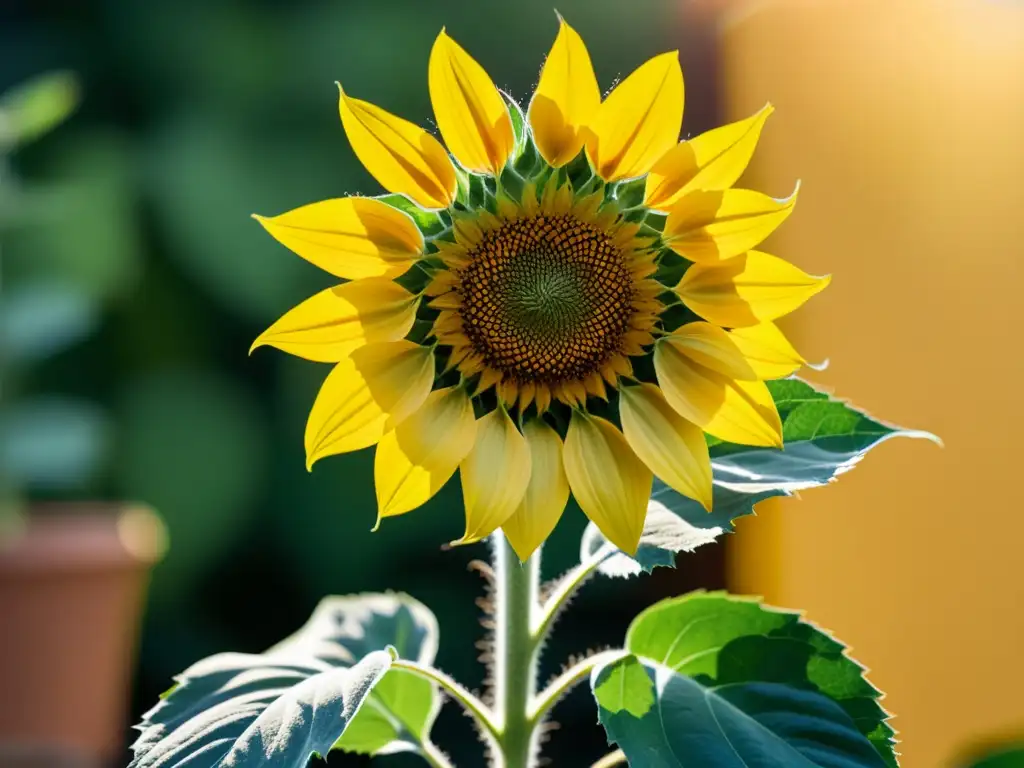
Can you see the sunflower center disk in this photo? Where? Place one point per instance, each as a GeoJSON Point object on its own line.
{"type": "Point", "coordinates": [546, 299]}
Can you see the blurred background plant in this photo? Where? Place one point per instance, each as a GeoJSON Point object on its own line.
{"type": "Point", "coordinates": [50, 442]}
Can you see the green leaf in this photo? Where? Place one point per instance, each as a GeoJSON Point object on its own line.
{"type": "Point", "coordinates": [36, 107]}
{"type": "Point", "coordinates": [53, 442]}
{"type": "Point", "coordinates": [625, 688]}
{"type": "Point", "coordinates": [256, 711]}
{"type": "Point", "coordinates": [1002, 756]}
{"type": "Point", "coordinates": [720, 639]}
{"type": "Point", "coordinates": [767, 725]}
{"type": "Point", "coordinates": [824, 438]}
{"type": "Point", "coordinates": [80, 227]}
{"type": "Point", "coordinates": [402, 708]}
{"type": "Point", "coordinates": [328, 685]}
{"type": "Point", "coordinates": [43, 319]}
{"type": "Point", "coordinates": [429, 222]}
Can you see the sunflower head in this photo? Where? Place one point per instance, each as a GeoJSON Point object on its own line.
{"type": "Point", "coordinates": [562, 301]}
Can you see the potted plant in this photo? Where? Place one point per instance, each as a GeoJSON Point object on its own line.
{"type": "Point", "coordinates": [72, 573]}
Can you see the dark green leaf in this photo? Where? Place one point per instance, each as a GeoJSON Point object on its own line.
{"type": "Point", "coordinates": [721, 639]}
{"type": "Point", "coordinates": [1002, 756]}
{"type": "Point", "coordinates": [824, 438]}
{"type": "Point", "coordinates": [767, 725]}
{"type": "Point", "coordinates": [331, 680]}
{"type": "Point", "coordinates": [36, 107]}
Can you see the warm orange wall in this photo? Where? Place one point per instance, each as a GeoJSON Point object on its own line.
{"type": "Point", "coordinates": [905, 120]}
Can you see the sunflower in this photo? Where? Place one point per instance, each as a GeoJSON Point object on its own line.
{"type": "Point", "coordinates": [566, 301]}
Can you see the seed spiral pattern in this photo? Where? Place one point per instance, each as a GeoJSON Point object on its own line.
{"type": "Point", "coordinates": [546, 299]}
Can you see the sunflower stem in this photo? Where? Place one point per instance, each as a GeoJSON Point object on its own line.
{"type": "Point", "coordinates": [515, 652]}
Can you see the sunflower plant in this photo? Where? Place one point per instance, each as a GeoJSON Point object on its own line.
{"type": "Point", "coordinates": [562, 302]}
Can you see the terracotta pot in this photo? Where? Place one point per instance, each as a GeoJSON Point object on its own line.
{"type": "Point", "coordinates": [72, 582]}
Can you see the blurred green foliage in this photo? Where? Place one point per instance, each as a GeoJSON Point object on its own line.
{"type": "Point", "coordinates": [130, 226]}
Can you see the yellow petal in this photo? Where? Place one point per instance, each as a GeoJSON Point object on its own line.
{"type": "Point", "coordinates": [708, 227]}
{"type": "Point", "coordinates": [639, 121]}
{"type": "Point", "coordinates": [416, 459]}
{"type": "Point", "coordinates": [713, 348]}
{"type": "Point", "coordinates": [369, 391]}
{"type": "Point", "coordinates": [329, 325]}
{"type": "Point", "coordinates": [747, 290]}
{"type": "Point", "coordinates": [494, 475]}
{"type": "Point", "coordinates": [673, 448]}
{"type": "Point", "coordinates": [737, 411]}
{"type": "Point", "coordinates": [767, 350]}
{"type": "Point", "coordinates": [351, 237]}
{"type": "Point", "coordinates": [565, 99]}
{"type": "Point", "coordinates": [712, 161]}
{"type": "Point", "coordinates": [610, 483]}
{"type": "Point", "coordinates": [546, 494]}
{"type": "Point", "coordinates": [471, 114]}
{"type": "Point", "coordinates": [400, 155]}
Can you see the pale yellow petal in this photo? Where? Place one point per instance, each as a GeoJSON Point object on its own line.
{"type": "Point", "coordinates": [351, 237]}
{"type": "Point", "coordinates": [369, 391]}
{"type": "Point", "coordinates": [416, 459]}
{"type": "Point", "coordinates": [673, 448]}
{"type": "Point", "coordinates": [566, 97]}
{"type": "Point", "coordinates": [610, 483]}
{"type": "Point", "coordinates": [471, 114]}
{"type": "Point", "coordinates": [494, 475]}
{"type": "Point", "coordinates": [546, 494]}
{"type": "Point", "coordinates": [639, 121]}
{"type": "Point", "coordinates": [712, 161]}
{"type": "Point", "coordinates": [708, 227]}
{"type": "Point", "coordinates": [736, 411]}
{"type": "Point", "coordinates": [329, 325]}
{"type": "Point", "coordinates": [713, 348]}
{"type": "Point", "coordinates": [747, 289]}
{"type": "Point", "coordinates": [399, 154]}
{"type": "Point", "coordinates": [767, 350]}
